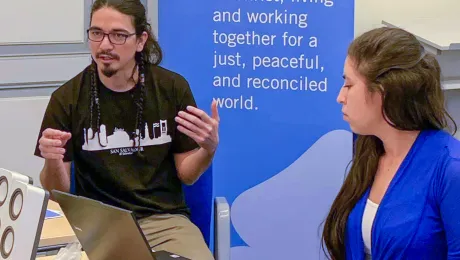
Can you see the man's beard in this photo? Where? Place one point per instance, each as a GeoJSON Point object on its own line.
{"type": "Point", "coordinates": [106, 68]}
{"type": "Point", "coordinates": [108, 71]}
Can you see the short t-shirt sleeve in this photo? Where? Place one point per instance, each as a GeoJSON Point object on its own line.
{"type": "Point", "coordinates": [184, 97]}
{"type": "Point", "coordinates": [57, 116]}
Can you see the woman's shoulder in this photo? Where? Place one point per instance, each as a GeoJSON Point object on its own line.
{"type": "Point", "coordinates": [448, 144]}
{"type": "Point", "coordinates": [447, 156]}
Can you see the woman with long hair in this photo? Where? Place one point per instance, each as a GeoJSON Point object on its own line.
{"type": "Point", "coordinates": [401, 197]}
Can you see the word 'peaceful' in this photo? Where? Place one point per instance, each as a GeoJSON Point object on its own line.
{"type": "Point", "coordinates": [297, 62]}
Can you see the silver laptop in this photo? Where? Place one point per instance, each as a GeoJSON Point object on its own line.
{"type": "Point", "coordinates": [106, 232]}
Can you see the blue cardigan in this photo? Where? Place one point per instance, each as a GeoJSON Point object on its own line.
{"type": "Point", "coordinates": [419, 216]}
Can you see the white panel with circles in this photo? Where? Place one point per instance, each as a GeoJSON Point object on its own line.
{"type": "Point", "coordinates": [22, 211]}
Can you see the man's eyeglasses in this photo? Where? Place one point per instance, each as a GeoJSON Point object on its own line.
{"type": "Point", "coordinates": [117, 38]}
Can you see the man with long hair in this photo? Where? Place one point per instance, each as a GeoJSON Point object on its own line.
{"type": "Point", "coordinates": [131, 129]}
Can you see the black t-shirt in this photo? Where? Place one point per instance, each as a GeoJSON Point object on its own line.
{"type": "Point", "coordinates": [107, 167]}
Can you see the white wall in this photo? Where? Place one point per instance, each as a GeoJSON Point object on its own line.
{"type": "Point", "coordinates": [41, 69]}
{"type": "Point", "coordinates": [20, 123]}
{"type": "Point", "coordinates": [370, 13]}
{"type": "Point", "coordinates": [52, 20]}
{"type": "Point", "coordinates": [45, 44]}
{"type": "Point", "coordinates": [453, 107]}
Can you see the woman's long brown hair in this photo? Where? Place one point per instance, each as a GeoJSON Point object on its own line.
{"type": "Point", "coordinates": [394, 63]}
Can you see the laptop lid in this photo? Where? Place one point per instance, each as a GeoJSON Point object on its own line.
{"type": "Point", "coordinates": [104, 231]}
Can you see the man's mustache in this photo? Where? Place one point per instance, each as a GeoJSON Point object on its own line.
{"type": "Point", "coordinates": [110, 55]}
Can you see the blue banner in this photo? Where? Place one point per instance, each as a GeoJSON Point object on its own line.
{"type": "Point", "coordinates": [275, 68]}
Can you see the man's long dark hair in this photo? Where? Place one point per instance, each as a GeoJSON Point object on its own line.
{"type": "Point", "coordinates": [151, 54]}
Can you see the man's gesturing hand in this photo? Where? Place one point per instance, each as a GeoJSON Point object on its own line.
{"type": "Point", "coordinates": [52, 142]}
{"type": "Point", "coordinates": [202, 128]}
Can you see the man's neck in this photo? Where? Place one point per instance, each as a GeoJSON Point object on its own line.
{"type": "Point", "coordinates": [123, 80]}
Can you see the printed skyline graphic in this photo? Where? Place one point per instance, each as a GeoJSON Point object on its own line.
{"type": "Point", "coordinates": [285, 213]}
{"type": "Point", "coordinates": [121, 139]}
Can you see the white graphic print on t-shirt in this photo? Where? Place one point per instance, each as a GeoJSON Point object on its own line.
{"type": "Point", "coordinates": [120, 142]}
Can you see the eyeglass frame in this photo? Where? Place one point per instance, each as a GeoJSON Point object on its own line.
{"type": "Point", "coordinates": [108, 36]}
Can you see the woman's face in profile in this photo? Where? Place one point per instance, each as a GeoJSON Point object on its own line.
{"type": "Point", "coordinates": [361, 108]}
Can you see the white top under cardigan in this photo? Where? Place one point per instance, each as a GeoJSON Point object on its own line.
{"type": "Point", "coordinates": [368, 220]}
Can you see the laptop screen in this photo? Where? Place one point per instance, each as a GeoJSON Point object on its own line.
{"type": "Point", "coordinates": [104, 231]}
